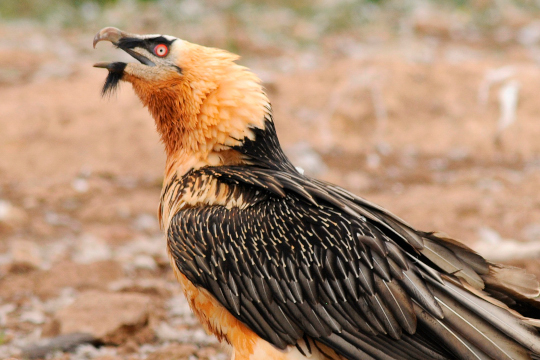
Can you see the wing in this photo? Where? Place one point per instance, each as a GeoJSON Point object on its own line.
{"type": "Point", "coordinates": [298, 258]}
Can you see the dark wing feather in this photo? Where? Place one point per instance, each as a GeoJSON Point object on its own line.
{"type": "Point", "coordinates": [305, 258]}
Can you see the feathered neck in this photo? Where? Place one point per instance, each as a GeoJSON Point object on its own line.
{"type": "Point", "coordinates": [212, 114]}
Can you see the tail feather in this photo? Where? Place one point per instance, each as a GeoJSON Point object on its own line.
{"type": "Point", "coordinates": [480, 333]}
{"type": "Point", "coordinates": [513, 282]}
{"type": "Point", "coordinates": [505, 320]}
{"type": "Point", "coordinates": [459, 346]}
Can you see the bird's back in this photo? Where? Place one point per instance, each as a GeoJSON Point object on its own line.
{"type": "Point", "coordinates": [310, 267]}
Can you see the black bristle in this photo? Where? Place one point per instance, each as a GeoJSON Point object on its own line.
{"type": "Point", "coordinates": [116, 72]}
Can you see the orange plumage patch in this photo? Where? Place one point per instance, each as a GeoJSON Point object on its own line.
{"type": "Point", "coordinates": [246, 344]}
{"type": "Point", "coordinates": [212, 105]}
{"type": "Point", "coordinates": [217, 320]}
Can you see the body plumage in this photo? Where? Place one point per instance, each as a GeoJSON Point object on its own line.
{"type": "Point", "coordinates": [283, 266]}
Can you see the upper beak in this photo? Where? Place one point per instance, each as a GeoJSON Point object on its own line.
{"type": "Point", "coordinates": [114, 35]}
{"type": "Point", "coordinates": [111, 34]}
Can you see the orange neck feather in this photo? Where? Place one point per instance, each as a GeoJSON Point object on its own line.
{"type": "Point", "coordinates": [211, 107]}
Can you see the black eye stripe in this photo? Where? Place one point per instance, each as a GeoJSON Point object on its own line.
{"type": "Point", "coordinates": [148, 44]}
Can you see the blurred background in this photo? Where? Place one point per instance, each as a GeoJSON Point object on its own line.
{"type": "Point", "coordinates": [429, 108]}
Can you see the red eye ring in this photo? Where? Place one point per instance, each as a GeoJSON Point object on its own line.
{"type": "Point", "coordinates": [161, 50]}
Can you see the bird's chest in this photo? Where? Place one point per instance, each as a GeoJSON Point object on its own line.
{"type": "Point", "coordinates": [195, 191]}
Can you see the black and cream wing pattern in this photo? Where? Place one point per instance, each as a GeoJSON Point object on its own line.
{"type": "Point", "coordinates": [302, 261]}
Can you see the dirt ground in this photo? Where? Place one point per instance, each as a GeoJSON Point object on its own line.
{"type": "Point", "coordinates": [443, 132]}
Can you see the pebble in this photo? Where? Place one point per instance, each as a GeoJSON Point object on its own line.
{"type": "Point", "coordinates": [173, 352]}
{"type": "Point", "coordinates": [165, 332]}
{"type": "Point", "coordinates": [373, 160]}
{"type": "Point", "coordinates": [357, 181]}
{"type": "Point", "coordinates": [154, 247]}
{"type": "Point", "coordinates": [306, 157]}
{"type": "Point", "coordinates": [11, 215]}
{"type": "Point", "coordinates": [179, 306]}
{"type": "Point", "coordinates": [531, 232]}
{"type": "Point", "coordinates": [101, 314]}
{"type": "Point", "coordinates": [146, 222]}
{"type": "Point", "coordinates": [67, 297]}
{"type": "Point", "coordinates": [33, 316]}
{"type": "Point", "coordinates": [529, 34]}
{"type": "Point", "coordinates": [4, 311]}
{"type": "Point", "coordinates": [71, 342]}
{"type": "Point", "coordinates": [26, 252]}
{"type": "Point", "coordinates": [489, 235]}
{"type": "Point", "coordinates": [91, 249]}
{"type": "Point", "coordinates": [143, 261]}
{"type": "Point", "coordinates": [80, 185]}
{"type": "Point", "coordinates": [149, 285]}
{"type": "Point", "coordinates": [507, 250]}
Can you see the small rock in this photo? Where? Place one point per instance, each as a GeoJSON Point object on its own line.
{"type": "Point", "coordinates": [489, 235]}
{"type": "Point", "coordinates": [219, 356]}
{"type": "Point", "coordinates": [529, 34]}
{"type": "Point", "coordinates": [107, 357]}
{"type": "Point", "coordinates": [4, 311]}
{"type": "Point", "coordinates": [178, 306]}
{"type": "Point", "coordinates": [438, 164]}
{"type": "Point", "coordinates": [491, 185]}
{"type": "Point", "coordinates": [155, 247]}
{"type": "Point", "coordinates": [531, 232]}
{"type": "Point", "coordinates": [89, 351]}
{"type": "Point", "coordinates": [144, 262]}
{"type": "Point", "coordinates": [166, 332]}
{"type": "Point", "coordinates": [67, 274]}
{"type": "Point", "coordinates": [174, 352]}
{"type": "Point", "coordinates": [90, 249]}
{"type": "Point", "coordinates": [373, 160]}
{"type": "Point", "coordinates": [210, 353]}
{"type": "Point", "coordinates": [67, 297]}
{"type": "Point", "coordinates": [24, 252]}
{"type": "Point", "coordinates": [507, 250]}
{"type": "Point", "coordinates": [68, 342]}
{"type": "Point", "coordinates": [5, 259]}
{"type": "Point", "coordinates": [149, 286]}
{"type": "Point", "coordinates": [33, 316]}
{"type": "Point", "coordinates": [10, 215]}
{"type": "Point", "coordinates": [56, 219]}
{"type": "Point", "coordinates": [459, 154]}
{"type": "Point", "coordinates": [54, 252]}
{"type": "Point", "coordinates": [102, 314]}
{"type": "Point", "coordinates": [357, 181]}
{"type": "Point", "coordinates": [199, 336]}
{"type": "Point", "coordinates": [127, 182]}
{"type": "Point", "coordinates": [80, 185]}
{"type": "Point", "coordinates": [146, 222]}
{"type": "Point", "coordinates": [307, 158]}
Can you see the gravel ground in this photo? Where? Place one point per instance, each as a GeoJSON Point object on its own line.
{"type": "Point", "coordinates": [436, 121]}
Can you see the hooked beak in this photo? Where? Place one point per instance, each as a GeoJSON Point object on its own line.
{"type": "Point", "coordinates": [117, 37]}
{"type": "Point", "coordinates": [111, 34]}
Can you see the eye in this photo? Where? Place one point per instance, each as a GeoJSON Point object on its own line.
{"type": "Point", "coordinates": [161, 50]}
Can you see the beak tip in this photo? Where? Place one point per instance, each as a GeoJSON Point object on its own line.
{"type": "Point", "coordinates": [103, 65]}
{"type": "Point", "coordinates": [110, 34]}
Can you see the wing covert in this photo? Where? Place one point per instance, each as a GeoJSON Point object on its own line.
{"type": "Point", "coordinates": [299, 260]}
{"type": "Point", "coordinates": [288, 267]}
